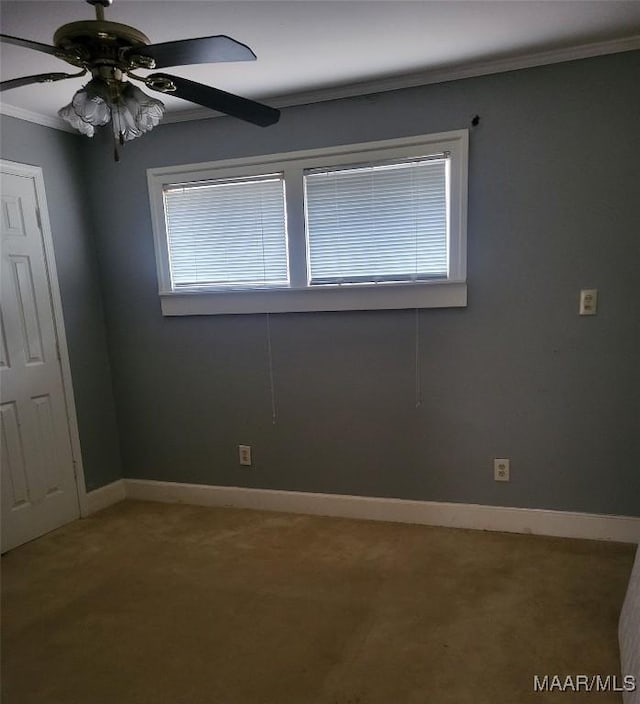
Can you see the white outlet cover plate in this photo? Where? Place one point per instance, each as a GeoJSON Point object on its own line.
{"type": "Point", "coordinates": [588, 301]}
{"type": "Point", "coordinates": [244, 455]}
{"type": "Point", "coordinates": [501, 470]}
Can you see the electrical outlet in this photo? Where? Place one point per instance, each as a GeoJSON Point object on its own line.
{"type": "Point", "coordinates": [244, 455]}
{"type": "Point", "coordinates": [501, 470]}
{"type": "Point", "coordinates": [588, 301]}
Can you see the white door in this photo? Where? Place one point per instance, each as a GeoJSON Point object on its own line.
{"type": "Point", "coordinates": [39, 491]}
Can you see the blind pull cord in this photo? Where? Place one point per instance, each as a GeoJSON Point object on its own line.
{"type": "Point", "coordinates": [269, 350]}
{"type": "Point", "coordinates": [415, 229]}
{"type": "Point", "coordinates": [271, 384]}
{"type": "Point", "coordinates": [415, 279]}
{"type": "Point", "coordinates": [264, 261]}
{"type": "Point", "coordinates": [418, 384]}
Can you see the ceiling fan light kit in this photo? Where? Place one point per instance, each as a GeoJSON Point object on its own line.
{"type": "Point", "coordinates": [131, 112]}
{"type": "Point", "coordinates": [111, 52]}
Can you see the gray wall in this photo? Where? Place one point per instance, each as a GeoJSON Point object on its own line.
{"type": "Point", "coordinates": [58, 155]}
{"type": "Point", "coordinates": [554, 206]}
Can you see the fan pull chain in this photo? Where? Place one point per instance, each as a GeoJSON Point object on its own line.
{"type": "Point", "coordinates": [271, 384]}
{"type": "Point", "coordinates": [418, 384]}
{"type": "Point", "coordinates": [120, 138]}
{"type": "Point", "coordinates": [116, 153]}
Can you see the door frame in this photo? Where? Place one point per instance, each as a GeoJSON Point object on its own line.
{"type": "Point", "coordinates": [35, 172]}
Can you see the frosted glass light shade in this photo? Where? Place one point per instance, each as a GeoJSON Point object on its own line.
{"type": "Point", "coordinates": [132, 112]}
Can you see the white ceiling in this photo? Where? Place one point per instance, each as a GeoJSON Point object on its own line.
{"type": "Point", "coordinates": [308, 48]}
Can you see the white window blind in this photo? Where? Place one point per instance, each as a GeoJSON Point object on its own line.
{"type": "Point", "coordinates": [229, 233]}
{"type": "Point", "coordinates": [378, 222]}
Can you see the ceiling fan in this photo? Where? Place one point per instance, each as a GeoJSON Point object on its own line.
{"type": "Point", "coordinates": [112, 52]}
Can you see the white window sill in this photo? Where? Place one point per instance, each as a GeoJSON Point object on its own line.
{"type": "Point", "coordinates": [377, 297]}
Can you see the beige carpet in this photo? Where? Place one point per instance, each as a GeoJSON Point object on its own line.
{"type": "Point", "coordinates": [168, 604]}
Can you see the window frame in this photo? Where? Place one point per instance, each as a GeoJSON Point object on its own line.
{"type": "Point", "coordinates": [300, 296]}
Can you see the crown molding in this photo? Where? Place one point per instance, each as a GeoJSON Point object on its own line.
{"type": "Point", "coordinates": [439, 75]}
{"type": "Point", "coordinates": [382, 85]}
{"type": "Point", "coordinates": [39, 118]}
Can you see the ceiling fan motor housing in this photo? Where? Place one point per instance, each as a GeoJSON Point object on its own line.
{"type": "Point", "coordinates": [94, 43]}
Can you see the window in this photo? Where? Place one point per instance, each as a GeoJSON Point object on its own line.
{"type": "Point", "coordinates": [376, 225]}
{"type": "Point", "coordinates": [227, 233]}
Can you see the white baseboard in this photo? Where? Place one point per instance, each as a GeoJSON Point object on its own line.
{"type": "Point", "coordinates": [566, 524]}
{"type": "Point", "coordinates": [106, 496]}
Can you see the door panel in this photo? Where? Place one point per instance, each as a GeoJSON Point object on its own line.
{"type": "Point", "coordinates": [4, 353]}
{"type": "Point", "coordinates": [26, 298]}
{"type": "Point", "coordinates": [12, 216]}
{"type": "Point", "coordinates": [15, 490]}
{"type": "Point", "coordinates": [48, 465]}
{"type": "Point", "coordinates": [39, 491]}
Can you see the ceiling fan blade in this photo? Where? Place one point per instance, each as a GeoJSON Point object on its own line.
{"type": "Point", "coordinates": [38, 78]}
{"type": "Point", "coordinates": [18, 41]}
{"type": "Point", "coordinates": [205, 50]}
{"type": "Point", "coordinates": [217, 99]}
